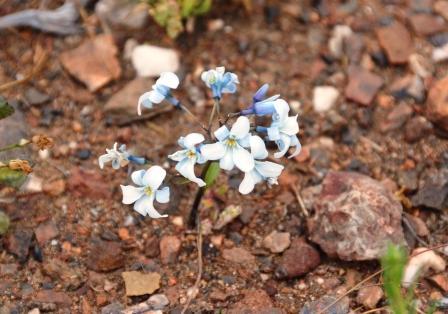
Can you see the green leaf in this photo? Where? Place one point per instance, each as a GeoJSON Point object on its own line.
{"type": "Point", "coordinates": [5, 109]}
{"type": "Point", "coordinates": [4, 223]}
{"type": "Point", "coordinates": [13, 178]}
{"type": "Point", "coordinates": [212, 173]}
{"type": "Point", "coordinates": [393, 264]}
{"type": "Point", "coordinates": [187, 7]}
{"type": "Point", "coordinates": [203, 7]}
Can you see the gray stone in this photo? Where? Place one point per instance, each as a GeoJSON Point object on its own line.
{"type": "Point", "coordinates": [124, 102]}
{"type": "Point", "coordinates": [13, 129]}
{"type": "Point", "coordinates": [122, 15]}
{"type": "Point", "coordinates": [433, 189]}
{"type": "Point", "coordinates": [356, 217]}
{"type": "Point", "coordinates": [341, 307]}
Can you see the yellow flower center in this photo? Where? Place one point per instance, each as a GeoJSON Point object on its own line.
{"type": "Point", "coordinates": [191, 154]}
{"type": "Point", "coordinates": [148, 191]}
{"type": "Point", "coordinates": [231, 142]}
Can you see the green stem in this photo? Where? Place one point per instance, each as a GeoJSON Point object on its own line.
{"type": "Point", "coordinates": [215, 110]}
{"type": "Point", "coordinates": [194, 212]}
{"type": "Point", "coordinates": [13, 146]}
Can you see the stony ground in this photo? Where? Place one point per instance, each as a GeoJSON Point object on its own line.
{"type": "Point", "coordinates": [370, 85]}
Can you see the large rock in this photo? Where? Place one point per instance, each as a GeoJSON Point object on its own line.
{"type": "Point", "coordinates": [363, 85]}
{"type": "Point", "coordinates": [396, 42]}
{"type": "Point", "coordinates": [94, 62]}
{"type": "Point", "coordinates": [124, 102]}
{"type": "Point", "coordinates": [356, 217]}
{"type": "Point", "coordinates": [437, 104]}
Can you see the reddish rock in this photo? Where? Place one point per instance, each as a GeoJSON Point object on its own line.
{"type": "Point", "coordinates": [50, 296]}
{"type": "Point", "coordinates": [55, 187]}
{"type": "Point", "coordinates": [254, 302]}
{"type": "Point", "coordinates": [396, 118]}
{"type": "Point", "coordinates": [362, 86]}
{"type": "Point", "coordinates": [46, 231]}
{"type": "Point", "coordinates": [89, 184]}
{"type": "Point", "coordinates": [416, 129]}
{"type": "Point", "coordinates": [396, 42]}
{"type": "Point", "coordinates": [105, 256]}
{"type": "Point", "coordinates": [169, 249]}
{"type": "Point", "coordinates": [152, 247]}
{"type": "Point", "coordinates": [238, 255]}
{"type": "Point", "coordinates": [299, 259]}
{"type": "Point", "coordinates": [426, 24]}
{"type": "Point", "coordinates": [94, 62]}
{"type": "Point", "coordinates": [18, 243]}
{"type": "Point", "coordinates": [370, 296]}
{"type": "Point", "coordinates": [355, 217]}
{"type": "Point", "coordinates": [70, 277]}
{"type": "Point", "coordinates": [440, 281]}
{"type": "Point", "coordinates": [437, 104]}
{"type": "Point", "coordinates": [419, 226]}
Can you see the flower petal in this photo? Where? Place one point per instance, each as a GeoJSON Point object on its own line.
{"type": "Point", "coordinates": [131, 193]}
{"type": "Point", "coordinates": [179, 155]}
{"type": "Point", "coordinates": [145, 205]}
{"type": "Point", "coordinates": [295, 142]}
{"type": "Point", "coordinates": [213, 151]}
{"type": "Point", "coordinates": [186, 168]}
{"type": "Point", "coordinates": [273, 133]}
{"type": "Point", "coordinates": [116, 164]}
{"type": "Point", "coordinates": [258, 148]}
{"type": "Point", "coordinates": [163, 195]}
{"type": "Point", "coordinates": [283, 145]}
{"type": "Point", "coordinates": [154, 177]}
{"type": "Point", "coordinates": [268, 169]}
{"type": "Point", "coordinates": [144, 101]}
{"type": "Point", "coordinates": [245, 141]}
{"type": "Point", "coordinates": [222, 133]}
{"type": "Point", "coordinates": [156, 97]}
{"type": "Point", "coordinates": [242, 159]}
{"type": "Point", "coordinates": [260, 93]}
{"type": "Point", "coordinates": [240, 128]}
{"type": "Point", "coordinates": [192, 139]}
{"type": "Point", "coordinates": [227, 162]}
{"type": "Point", "coordinates": [104, 159]}
{"type": "Point", "coordinates": [137, 177]}
{"type": "Point", "coordinates": [168, 79]}
{"type": "Point", "coordinates": [290, 126]}
{"type": "Point", "coordinates": [248, 183]}
{"type": "Point", "coordinates": [281, 109]}
{"type": "Point", "coordinates": [229, 88]}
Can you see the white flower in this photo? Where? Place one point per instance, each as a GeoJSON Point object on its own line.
{"type": "Point", "coordinates": [147, 190]}
{"type": "Point", "coordinates": [220, 81]}
{"type": "Point", "coordinates": [189, 156]}
{"type": "Point", "coordinates": [283, 130]}
{"type": "Point", "coordinates": [229, 148]}
{"type": "Point", "coordinates": [118, 157]}
{"type": "Point", "coordinates": [263, 170]}
{"type": "Point", "coordinates": [160, 91]}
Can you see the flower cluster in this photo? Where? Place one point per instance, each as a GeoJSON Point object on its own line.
{"type": "Point", "coordinates": [240, 145]}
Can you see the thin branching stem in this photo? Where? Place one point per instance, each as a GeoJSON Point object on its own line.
{"type": "Point", "coordinates": [195, 289]}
